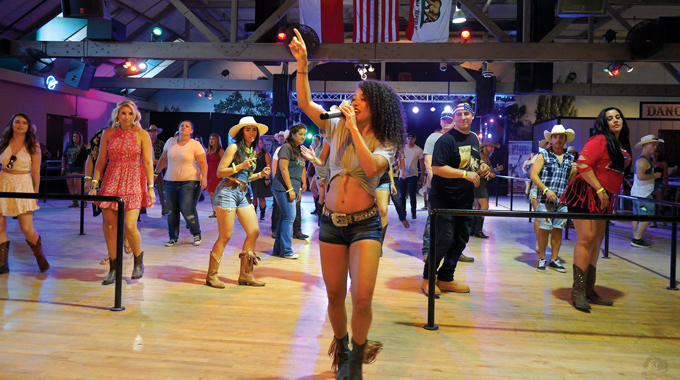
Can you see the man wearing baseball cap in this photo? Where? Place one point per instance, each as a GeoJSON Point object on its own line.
{"type": "Point", "coordinates": [643, 187]}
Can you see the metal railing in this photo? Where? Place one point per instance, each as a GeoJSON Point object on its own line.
{"type": "Point", "coordinates": [432, 264]}
{"type": "Point", "coordinates": [82, 191]}
{"type": "Point", "coordinates": [119, 233]}
{"type": "Point", "coordinates": [512, 187]}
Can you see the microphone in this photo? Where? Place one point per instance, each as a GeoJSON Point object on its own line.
{"type": "Point", "coordinates": [331, 115]}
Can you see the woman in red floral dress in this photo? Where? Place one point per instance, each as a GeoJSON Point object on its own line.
{"type": "Point", "coordinates": [129, 175]}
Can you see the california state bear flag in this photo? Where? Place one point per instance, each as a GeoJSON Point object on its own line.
{"type": "Point", "coordinates": [429, 21]}
{"type": "Point", "coordinates": [325, 17]}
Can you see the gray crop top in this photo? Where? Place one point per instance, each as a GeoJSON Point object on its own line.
{"type": "Point", "coordinates": [343, 157]}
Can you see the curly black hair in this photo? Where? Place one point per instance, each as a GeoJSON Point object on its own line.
{"type": "Point", "coordinates": [613, 144]}
{"type": "Point", "coordinates": [388, 119]}
{"type": "Point", "coordinates": [30, 140]}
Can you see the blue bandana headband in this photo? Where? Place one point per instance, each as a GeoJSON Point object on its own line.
{"type": "Point", "coordinates": [465, 107]}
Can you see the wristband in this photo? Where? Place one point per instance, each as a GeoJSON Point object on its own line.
{"type": "Point", "coordinates": [94, 181]}
{"type": "Point", "coordinates": [546, 190]}
{"type": "Point", "coordinates": [289, 190]}
{"type": "Point", "coordinates": [600, 191]}
{"type": "Point", "coordinates": [151, 186]}
{"type": "Point", "coordinates": [88, 178]}
{"type": "Point", "coordinates": [391, 183]}
{"type": "Point", "coordinates": [233, 166]}
{"type": "Point", "coordinates": [465, 174]}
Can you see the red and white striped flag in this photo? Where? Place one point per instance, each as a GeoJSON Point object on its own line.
{"type": "Point", "coordinates": [325, 17]}
{"type": "Point", "coordinates": [376, 20]}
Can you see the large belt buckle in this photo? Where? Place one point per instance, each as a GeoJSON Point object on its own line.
{"type": "Point", "coordinates": [340, 220]}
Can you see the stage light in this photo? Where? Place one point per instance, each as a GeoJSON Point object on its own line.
{"type": "Point", "coordinates": [488, 135]}
{"type": "Point", "coordinates": [480, 135]}
{"type": "Point", "coordinates": [156, 32]}
{"type": "Point", "coordinates": [309, 136]}
{"type": "Point", "coordinates": [281, 35]}
{"type": "Point", "coordinates": [465, 34]}
{"type": "Point", "coordinates": [200, 94]}
{"type": "Point", "coordinates": [458, 15]}
{"type": "Point", "coordinates": [225, 73]}
{"type": "Point", "coordinates": [485, 124]}
{"type": "Point", "coordinates": [447, 108]}
{"type": "Point", "coordinates": [432, 109]}
{"type": "Point", "coordinates": [51, 82]}
{"type": "Point", "coordinates": [491, 121]}
{"type": "Point", "coordinates": [628, 68]}
{"type": "Point", "coordinates": [129, 68]}
{"type": "Point", "coordinates": [500, 116]}
{"type": "Point", "coordinates": [415, 109]}
{"type": "Point", "coordinates": [609, 36]}
{"type": "Point", "coordinates": [210, 95]}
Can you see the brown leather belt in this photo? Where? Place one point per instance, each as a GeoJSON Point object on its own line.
{"type": "Point", "coordinates": [342, 220]}
{"type": "Point", "coordinates": [233, 183]}
{"type": "Point", "coordinates": [10, 171]}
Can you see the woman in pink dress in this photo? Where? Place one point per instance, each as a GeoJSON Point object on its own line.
{"type": "Point", "coordinates": [129, 174]}
{"type": "Point", "coordinates": [213, 155]}
{"type": "Point", "coordinates": [20, 158]}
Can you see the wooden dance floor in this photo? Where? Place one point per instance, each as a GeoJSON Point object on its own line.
{"type": "Point", "coordinates": [515, 324]}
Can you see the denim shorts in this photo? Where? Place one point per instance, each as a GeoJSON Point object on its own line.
{"type": "Point", "coordinates": [549, 224]}
{"type": "Point", "coordinates": [226, 197]}
{"type": "Point", "coordinates": [384, 186]}
{"type": "Point", "coordinates": [643, 208]}
{"type": "Point", "coordinates": [369, 229]}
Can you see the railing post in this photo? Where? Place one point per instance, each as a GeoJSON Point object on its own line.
{"type": "Point", "coordinates": [605, 255]}
{"type": "Point", "coordinates": [119, 257]}
{"type": "Point", "coordinates": [82, 207]}
{"type": "Point", "coordinates": [512, 191]}
{"type": "Point", "coordinates": [498, 190]}
{"type": "Point", "coordinates": [432, 270]}
{"type": "Point", "coordinates": [674, 247]}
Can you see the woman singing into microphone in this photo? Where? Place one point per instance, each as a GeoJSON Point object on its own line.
{"type": "Point", "coordinates": [363, 142]}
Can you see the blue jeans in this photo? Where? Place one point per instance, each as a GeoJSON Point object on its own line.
{"type": "Point", "coordinates": [284, 228]}
{"type": "Point", "coordinates": [182, 196]}
{"type": "Point", "coordinates": [453, 234]}
{"type": "Point", "coordinates": [409, 183]}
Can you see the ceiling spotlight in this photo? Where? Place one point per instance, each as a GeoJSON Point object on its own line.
{"type": "Point", "coordinates": [432, 109]}
{"type": "Point", "coordinates": [465, 34]}
{"type": "Point", "coordinates": [415, 109]}
{"type": "Point", "coordinates": [489, 135]}
{"type": "Point", "coordinates": [281, 35]}
{"type": "Point", "coordinates": [209, 94]}
{"type": "Point", "coordinates": [609, 36]}
{"type": "Point", "coordinates": [156, 33]}
{"type": "Point", "coordinates": [225, 73]}
{"type": "Point", "coordinates": [458, 15]}
{"type": "Point", "coordinates": [129, 68]}
{"type": "Point", "coordinates": [124, 92]}
{"type": "Point", "coordinates": [628, 68]}
{"type": "Point", "coordinates": [200, 94]}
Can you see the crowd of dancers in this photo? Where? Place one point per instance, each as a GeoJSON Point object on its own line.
{"type": "Point", "coordinates": [353, 177]}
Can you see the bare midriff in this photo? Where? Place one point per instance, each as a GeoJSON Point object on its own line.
{"type": "Point", "coordinates": [346, 196]}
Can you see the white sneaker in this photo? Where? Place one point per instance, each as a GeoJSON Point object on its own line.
{"type": "Point", "coordinates": [294, 256]}
{"type": "Point", "coordinates": [171, 243]}
{"type": "Point", "coordinates": [197, 240]}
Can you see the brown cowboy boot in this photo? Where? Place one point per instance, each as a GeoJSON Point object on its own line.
{"type": "Point", "coordinates": [592, 296]}
{"type": "Point", "coordinates": [39, 255]}
{"type": "Point", "coordinates": [578, 290]}
{"type": "Point", "coordinates": [4, 261]}
{"type": "Point", "coordinates": [248, 261]}
{"type": "Point", "coordinates": [212, 278]}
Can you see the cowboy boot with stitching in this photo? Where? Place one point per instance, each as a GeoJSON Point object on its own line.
{"type": "Point", "coordinates": [212, 279]}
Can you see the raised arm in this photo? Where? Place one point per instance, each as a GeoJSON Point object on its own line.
{"type": "Point", "coordinates": [312, 110]}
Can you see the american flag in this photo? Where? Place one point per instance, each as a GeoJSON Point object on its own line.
{"type": "Point", "coordinates": [376, 20]}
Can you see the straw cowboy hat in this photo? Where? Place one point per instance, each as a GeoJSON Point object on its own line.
{"type": "Point", "coordinates": [489, 143]}
{"type": "Point", "coordinates": [543, 143]}
{"type": "Point", "coordinates": [153, 127]}
{"type": "Point", "coordinates": [559, 130]}
{"type": "Point", "coordinates": [247, 120]}
{"type": "Point", "coordinates": [648, 139]}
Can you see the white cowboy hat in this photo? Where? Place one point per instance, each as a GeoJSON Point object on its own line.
{"type": "Point", "coordinates": [559, 130]}
{"type": "Point", "coordinates": [648, 139]}
{"type": "Point", "coordinates": [247, 120]}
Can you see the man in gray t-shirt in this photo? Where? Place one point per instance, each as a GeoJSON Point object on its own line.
{"type": "Point", "coordinates": [408, 177]}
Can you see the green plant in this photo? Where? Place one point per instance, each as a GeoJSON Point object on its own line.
{"type": "Point", "coordinates": [235, 103]}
